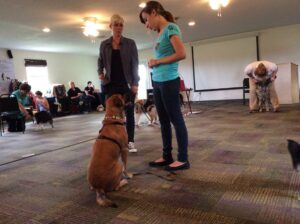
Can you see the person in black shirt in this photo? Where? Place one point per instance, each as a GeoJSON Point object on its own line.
{"type": "Point", "coordinates": [118, 71]}
{"type": "Point", "coordinates": [92, 96]}
{"type": "Point", "coordinates": [77, 98]}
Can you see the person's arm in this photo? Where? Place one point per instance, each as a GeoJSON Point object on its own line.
{"type": "Point", "coordinates": [79, 92]}
{"type": "Point", "coordinates": [24, 111]}
{"type": "Point", "coordinates": [46, 103]}
{"type": "Point", "coordinates": [71, 95]}
{"type": "Point", "coordinates": [86, 92]}
{"type": "Point", "coordinates": [101, 64]}
{"type": "Point", "coordinates": [177, 56]}
{"type": "Point", "coordinates": [273, 75]}
{"type": "Point", "coordinates": [249, 72]}
{"type": "Point", "coordinates": [135, 68]}
{"type": "Point", "coordinates": [93, 92]}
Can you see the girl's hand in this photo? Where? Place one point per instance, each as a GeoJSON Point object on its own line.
{"type": "Point", "coordinates": [152, 63]}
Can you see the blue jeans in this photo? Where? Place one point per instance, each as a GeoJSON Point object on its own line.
{"type": "Point", "coordinates": [166, 98]}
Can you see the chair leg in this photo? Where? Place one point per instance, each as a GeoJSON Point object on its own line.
{"type": "Point", "coordinates": [244, 100]}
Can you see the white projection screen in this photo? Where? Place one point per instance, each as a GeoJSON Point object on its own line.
{"type": "Point", "coordinates": [221, 65]}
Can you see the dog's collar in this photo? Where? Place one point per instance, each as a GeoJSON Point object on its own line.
{"type": "Point", "coordinates": [113, 120]}
{"type": "Point", "coordinates": [114, 117]}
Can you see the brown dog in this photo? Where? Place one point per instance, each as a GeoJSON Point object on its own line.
{"type": "Point", "coordinates": [105, 170]}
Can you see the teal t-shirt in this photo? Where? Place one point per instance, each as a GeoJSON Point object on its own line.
{"type": "Point", "coordinates": [164, 48]}
{"type": "Point", "coordinates": [24, 100]}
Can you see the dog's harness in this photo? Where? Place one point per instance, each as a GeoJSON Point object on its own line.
{"type": "Point", "coordinates": [117, 122]}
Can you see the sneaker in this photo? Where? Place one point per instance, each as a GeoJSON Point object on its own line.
{"type": "Point", "coordinates": [131, 147]}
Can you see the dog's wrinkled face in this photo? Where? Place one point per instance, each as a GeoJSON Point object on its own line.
{"type": "Point", "coordinates": [115, 105]}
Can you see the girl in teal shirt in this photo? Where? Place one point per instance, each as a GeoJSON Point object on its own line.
{"type": "Point", "coordinates": [168, 50]}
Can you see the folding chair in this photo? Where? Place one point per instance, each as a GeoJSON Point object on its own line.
{"type": "Point", "coordinates": [245, 89]}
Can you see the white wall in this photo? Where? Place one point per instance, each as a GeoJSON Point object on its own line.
{"type": "Point", "coordinates": [279, 45]}
{"type": "Point", "coordinates": [62, 68]}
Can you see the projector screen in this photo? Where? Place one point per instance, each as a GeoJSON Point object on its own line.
{"type": "Point", "coordinates": [221, 64]}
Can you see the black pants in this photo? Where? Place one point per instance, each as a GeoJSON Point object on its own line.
{"type": "Point", "coordinates": [16, 124]}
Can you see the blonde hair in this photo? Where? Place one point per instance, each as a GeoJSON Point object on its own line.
{"type": "Point", "coordinates": [116, 19]}
{"type": "Point", "coordinates": [261, 70]}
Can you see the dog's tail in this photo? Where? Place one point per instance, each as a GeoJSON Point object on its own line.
{"type": "Point", "coordinates": [103, 200]}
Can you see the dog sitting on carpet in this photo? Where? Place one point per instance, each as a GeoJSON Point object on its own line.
{"type": "Point", "coordinates": [294, 150]}
{"type": "Point", "coordinates": [105, 170]}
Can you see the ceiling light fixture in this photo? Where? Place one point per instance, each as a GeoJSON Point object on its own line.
{"type": "Point", "coordinates": [46, 30]}
{"type": "Point", "coordinates": [91, 26]}
{"type": "Point", "coordinates": [192, 23]}
{"type": "Point", "coordinates": [142, 5]}
{"type": "Point", "coordinates": [217, 5]}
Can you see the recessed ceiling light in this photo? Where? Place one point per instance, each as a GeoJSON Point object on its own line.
{"type": "Point", "coordinates": [192, 23]}
{"type": "Point", "coordinates": [46, 30]}
{"type": "Point", "coordinates": [142, 5]}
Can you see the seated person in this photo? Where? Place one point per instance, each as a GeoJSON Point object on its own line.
{"type": "Point", "coordinates": [92, 97]}
{"type": "Point", "coordinates": [18, 124]}
{"type": "Point", "coordinates": [43, 109]}
{"type": "Point", "coordinates": [77, 98]}
{"type": "Point", "coordinates": [255, 71]}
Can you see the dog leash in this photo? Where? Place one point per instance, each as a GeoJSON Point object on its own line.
{"type": "Point", "coordinates": [169, 177]}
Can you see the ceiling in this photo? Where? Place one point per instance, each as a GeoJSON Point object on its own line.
{"type": "Point", "coordinates": [22, 21]}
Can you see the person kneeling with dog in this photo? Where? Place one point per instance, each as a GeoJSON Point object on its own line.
{"type": "Point", "coordinates": [22, 95]}
{"type": "Point", "coordinates": [43, 109]}
{"type": "Point", "coordinates": [258, 72]}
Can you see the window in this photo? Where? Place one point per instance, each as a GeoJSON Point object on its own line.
{"type": "Point", "coordinates": [142, 93]}
{"type": "Point", "coordinates": [37, 75]}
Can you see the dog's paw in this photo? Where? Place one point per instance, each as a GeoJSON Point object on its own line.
{"type": "Point", "coordinates": [130, 175]}
{"type": "Point", "coordinates": [122, 183]}
{"type": "Point", "coordinates": [127, 175]}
